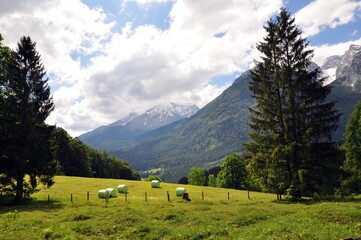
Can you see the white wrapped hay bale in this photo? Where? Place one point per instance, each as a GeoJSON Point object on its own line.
{"type": "Point", "coordinates": [155, 184]}
{"type": "Point", "coordinates": [179, 192]}
{"type": "Point", "coordinates": [103, 193]}
{"type": "Point", "coordinates": [112, 192]}
{"type": "Point", "coordinates": [122, 188]}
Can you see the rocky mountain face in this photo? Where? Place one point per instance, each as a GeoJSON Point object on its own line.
{"type": "Point", "coordinates": [137, 126]}
{"type": "Point", "coordinates": [347, 68]}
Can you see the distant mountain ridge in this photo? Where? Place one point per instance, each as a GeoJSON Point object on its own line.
{"type": "Point", "coordinates": [156, 117]}
{"type": "Point", "coordinates": [136, 126]}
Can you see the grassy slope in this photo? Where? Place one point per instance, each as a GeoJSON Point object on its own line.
{"type": "Point", "coordinates": [214, 218]}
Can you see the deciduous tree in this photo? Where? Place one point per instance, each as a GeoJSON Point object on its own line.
{"type": "Point", "coordinates": [196, 176]}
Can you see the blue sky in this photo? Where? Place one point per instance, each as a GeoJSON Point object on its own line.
{"type": "Point", "coordinates": [108, 58]}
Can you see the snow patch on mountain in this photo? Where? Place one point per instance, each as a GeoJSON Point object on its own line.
{"type": "Point", "coordinates": [156, 117]}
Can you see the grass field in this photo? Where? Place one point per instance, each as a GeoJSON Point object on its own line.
{"type": "Point", "coordinates": [215, 217]}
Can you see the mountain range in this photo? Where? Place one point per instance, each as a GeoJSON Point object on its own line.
{"type": "Point", "coordinates": [137, 126]}
{"type": "Point", "coordinates": [217, 129]}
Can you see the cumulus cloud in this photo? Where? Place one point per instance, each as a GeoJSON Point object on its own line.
{"type": "Point", "coordinates": [320, 14]}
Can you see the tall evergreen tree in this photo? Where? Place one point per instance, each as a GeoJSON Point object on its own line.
{"type": "Point", "coordinates": [290, 116]}
{"type": "Point", "coordinates": [28, 145]}
{"type": "Point", "coordinates": [353, 151]}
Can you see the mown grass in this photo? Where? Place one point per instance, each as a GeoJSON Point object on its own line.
{"type": "Point", "coordinates": [215, 217]}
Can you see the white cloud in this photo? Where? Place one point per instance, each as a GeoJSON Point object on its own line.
{"type": "Point", "coordinates": [326, 13]}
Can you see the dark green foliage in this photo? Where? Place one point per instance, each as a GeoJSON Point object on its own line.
{"type": "Point", "coordinates": [291, 118]}
{"type": "Point", "coordinates": [153, 177]}
{"type": "Point", "coordinates": [352, 147]}
{"type": "Point", "coordinates": [233, 172]}
{"type": "Point", "coordinates": [183, 180]}
{"type": "Point", "coordinates": [25, 105]}
{"type": "Point", "coordinates": [196, 177]}
{"type": "Point", "coordinates": [77, 159]}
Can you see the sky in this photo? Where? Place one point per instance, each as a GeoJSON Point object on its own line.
{"type": "Point", "coordinates": [105, 59]}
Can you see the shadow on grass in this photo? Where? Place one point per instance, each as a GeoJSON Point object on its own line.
{"type": "Point", "coordinates": [310, 201]}
{"type": "Point", "coordinates": [29, 204]}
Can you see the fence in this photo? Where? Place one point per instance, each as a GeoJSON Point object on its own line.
{"type": "Point", "coordinates": [88, 196]}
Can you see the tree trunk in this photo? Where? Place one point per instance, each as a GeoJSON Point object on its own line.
{"type": "Point", "coordinates": [19, 189]}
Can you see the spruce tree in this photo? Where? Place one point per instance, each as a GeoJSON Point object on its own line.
{"type": "Point", "coordinates": [352, 147]}
{"type": "Point", "coordinates": [291, 115]}
{"type": "Point", "coordinates": [28, 146]}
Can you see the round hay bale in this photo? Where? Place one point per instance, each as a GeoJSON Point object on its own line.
{"type": "Point", "coordinates": [122, 188]}
{"type": "Point", "coordinates": [179, 192]}
{"type": "Point", "coordinates": [112, 192]}
{"type": "Point", "coordinates": [155, 184]}
{"type": "Point", "coordinates": [103, 193]}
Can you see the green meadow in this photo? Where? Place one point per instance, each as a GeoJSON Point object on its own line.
{"type": "Point", "coordinates": [67, 211]}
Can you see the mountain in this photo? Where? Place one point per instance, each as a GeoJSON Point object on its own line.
{"type": "Point", "coordinates": [137, 126]}
{"type": "Point", "coordinates": [348, 72]}
{"type": "Point", "coordinates": [219, 128]}
{"type": "Point", "coordinates": [212, 133]}
{"type": "Point", "coordinates": [156, 117]}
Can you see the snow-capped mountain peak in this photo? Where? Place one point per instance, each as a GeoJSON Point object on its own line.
{"type": "Point", "coordinates": [156, 117]}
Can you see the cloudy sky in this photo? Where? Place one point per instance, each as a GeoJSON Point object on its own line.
{"type": "Point", "coordinates": [107, 58]}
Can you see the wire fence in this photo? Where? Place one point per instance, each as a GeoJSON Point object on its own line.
{"type": "Point", "coordinates": [144, 197]}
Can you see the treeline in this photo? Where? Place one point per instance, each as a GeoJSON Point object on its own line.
{"type": "Point", "coordinates": [32, 152]}
{"type": "Point", "coordinates": [77, 159]}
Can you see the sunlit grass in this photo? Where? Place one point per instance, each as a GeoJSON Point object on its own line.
{"type": "Point", "coordinates": [215, 217]}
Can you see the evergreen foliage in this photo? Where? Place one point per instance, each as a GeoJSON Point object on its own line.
{"type": "Point", "coordinates": [77, 159]}
{"type": "Point", "coordinates": [291, 118]}
{"type": "Point", "coordinates": [352, 147]}
{"type": "Point", "coordinates": [26, 103]}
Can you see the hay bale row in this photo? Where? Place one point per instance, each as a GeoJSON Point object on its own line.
{"type": "Point", "coordinates": [112, 192]}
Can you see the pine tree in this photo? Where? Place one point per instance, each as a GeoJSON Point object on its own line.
{"type": "Point", "coordinates": [28, 145]}
{"type": "Point", "coordinates": [353, 151]}
{"type": "Point", "coordinates": [290, 116]}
